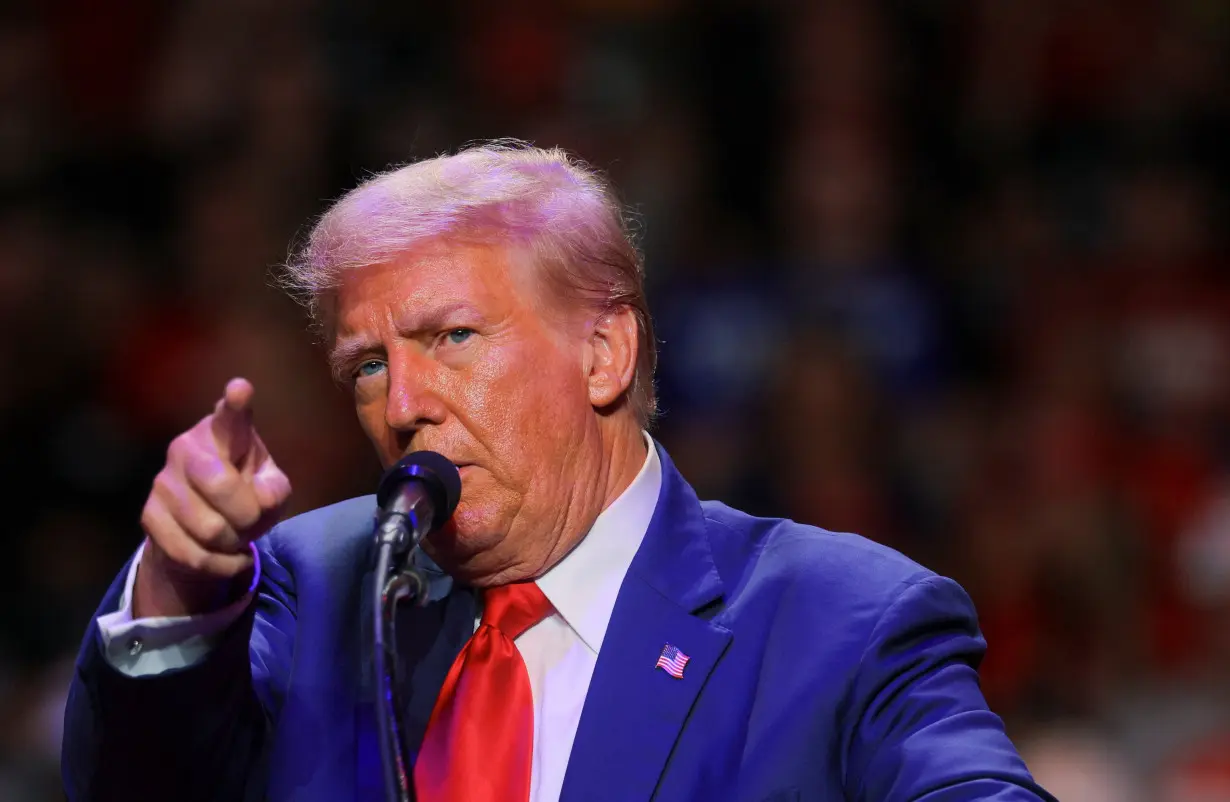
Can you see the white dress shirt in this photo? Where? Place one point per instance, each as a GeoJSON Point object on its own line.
{"type": "Point", "coordinates": [560, 652]}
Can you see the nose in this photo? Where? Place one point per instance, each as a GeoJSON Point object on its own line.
{"type": "Point", "coordinates": [415, 400]}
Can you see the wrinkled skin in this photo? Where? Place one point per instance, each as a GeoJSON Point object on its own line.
{"type": "Point", "coordinates": [454, 349]}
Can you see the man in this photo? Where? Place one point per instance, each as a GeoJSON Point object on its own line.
{"type": "Point", "coordinates": [594, 632]}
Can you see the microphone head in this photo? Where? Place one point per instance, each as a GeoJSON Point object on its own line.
{"type": "Point", "coordinates": [438, 476]}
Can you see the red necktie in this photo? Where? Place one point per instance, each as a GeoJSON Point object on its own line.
{"type": "Point", "coordinates": [480, 737]}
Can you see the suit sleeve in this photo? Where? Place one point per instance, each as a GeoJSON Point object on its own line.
{"type": "Point", "coordinates": [922, 729]}
{"type": "Point", "coordinates": [194, 733]}
{"type": "Point", "coordinates": [163, 643]}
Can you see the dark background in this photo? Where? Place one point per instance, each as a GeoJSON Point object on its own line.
{"type": "Point", "coordinates": [952, 275]}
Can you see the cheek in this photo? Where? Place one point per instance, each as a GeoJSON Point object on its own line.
{"type": "Point", "coordinates": [369, 404]}
{"type": "Point", "coordinates": [552, 411]}
{"type": "Point", "coordinates": [540, 392]}
{"type": "Point", "coordinates": [525, 407]}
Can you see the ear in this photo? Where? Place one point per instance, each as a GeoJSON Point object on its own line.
{"type": "Point", "coordinates": [612, 350]}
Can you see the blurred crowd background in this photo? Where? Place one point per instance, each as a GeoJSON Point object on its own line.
{"type": "Point", "coordinates": [952, 274]}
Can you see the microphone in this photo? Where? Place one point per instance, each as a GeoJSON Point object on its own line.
{"type": "Point", "coordinates": [415, 497]}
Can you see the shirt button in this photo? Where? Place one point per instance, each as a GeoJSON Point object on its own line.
{"type": "Point", "coordinates": [134, 647]}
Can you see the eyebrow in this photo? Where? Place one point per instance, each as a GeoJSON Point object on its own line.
{"type": "Point", "coordinates": [346, 351]}
{"type": "Point", "coordinates": [434, 318]}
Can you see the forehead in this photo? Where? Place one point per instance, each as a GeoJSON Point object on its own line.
{"type": "Point", "coordinates": [432, 276]}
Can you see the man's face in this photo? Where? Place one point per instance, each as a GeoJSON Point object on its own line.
{"type": "Point", "coordinates": [450, 349]}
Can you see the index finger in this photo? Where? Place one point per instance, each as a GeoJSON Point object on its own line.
{"type": "Point", "coordinates": [231, 424]}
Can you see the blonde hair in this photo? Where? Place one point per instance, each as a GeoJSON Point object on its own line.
{"type": "Point", "coordinates": [506, 192]}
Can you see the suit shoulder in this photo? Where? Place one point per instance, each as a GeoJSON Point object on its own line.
{"type": "Point", "coordinates": [325, 533]}
{"type": "Point", "coordinates": [787, 584]}
{"type": "Point", "coordinates": [758, 554]}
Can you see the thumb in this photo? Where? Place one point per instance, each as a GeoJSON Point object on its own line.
{"type": "Point", "coordinates": [231, 425]}
{"type": "Point", "coordinates": [271, 485]}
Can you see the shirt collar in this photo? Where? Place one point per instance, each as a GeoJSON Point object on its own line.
{"type": "Point", "coordinates": [584, 585]}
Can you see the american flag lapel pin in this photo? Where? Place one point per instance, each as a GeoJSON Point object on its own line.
{"type": "Point", "coordinates": [672, 661]}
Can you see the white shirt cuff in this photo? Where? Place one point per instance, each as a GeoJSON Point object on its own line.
{"type": "Point", "coordinates": [144, 646]}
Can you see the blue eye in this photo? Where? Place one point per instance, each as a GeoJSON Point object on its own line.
{"type": "Point", "coordinates": [458, 336]}
{"type": "Point", "coordinates": [369, 368]}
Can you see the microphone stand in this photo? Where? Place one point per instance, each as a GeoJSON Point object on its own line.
{"type": "Point", "coordinates": [392, 585]}
{"type": "Point", "coordinates": [416, 495]}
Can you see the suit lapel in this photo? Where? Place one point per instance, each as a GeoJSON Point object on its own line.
{"type": "Point", "coordinates": [634, 712]}
{"type": "Point", "coordinates": [369, 783]}
{"type": "Point", "coordinates": [429, 638]}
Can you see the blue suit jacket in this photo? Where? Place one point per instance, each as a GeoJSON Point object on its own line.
{"type": "Point", "coordinates": [822, 667]}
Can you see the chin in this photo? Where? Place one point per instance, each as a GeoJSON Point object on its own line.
{"type": "Point", "coordinates": [471, 531]}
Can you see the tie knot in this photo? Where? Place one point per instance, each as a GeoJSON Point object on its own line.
{"type": "Point", "coordinates": [512, 609]}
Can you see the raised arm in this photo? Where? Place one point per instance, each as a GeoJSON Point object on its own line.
{"type": "Point", "coordinates": [196, 731]}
